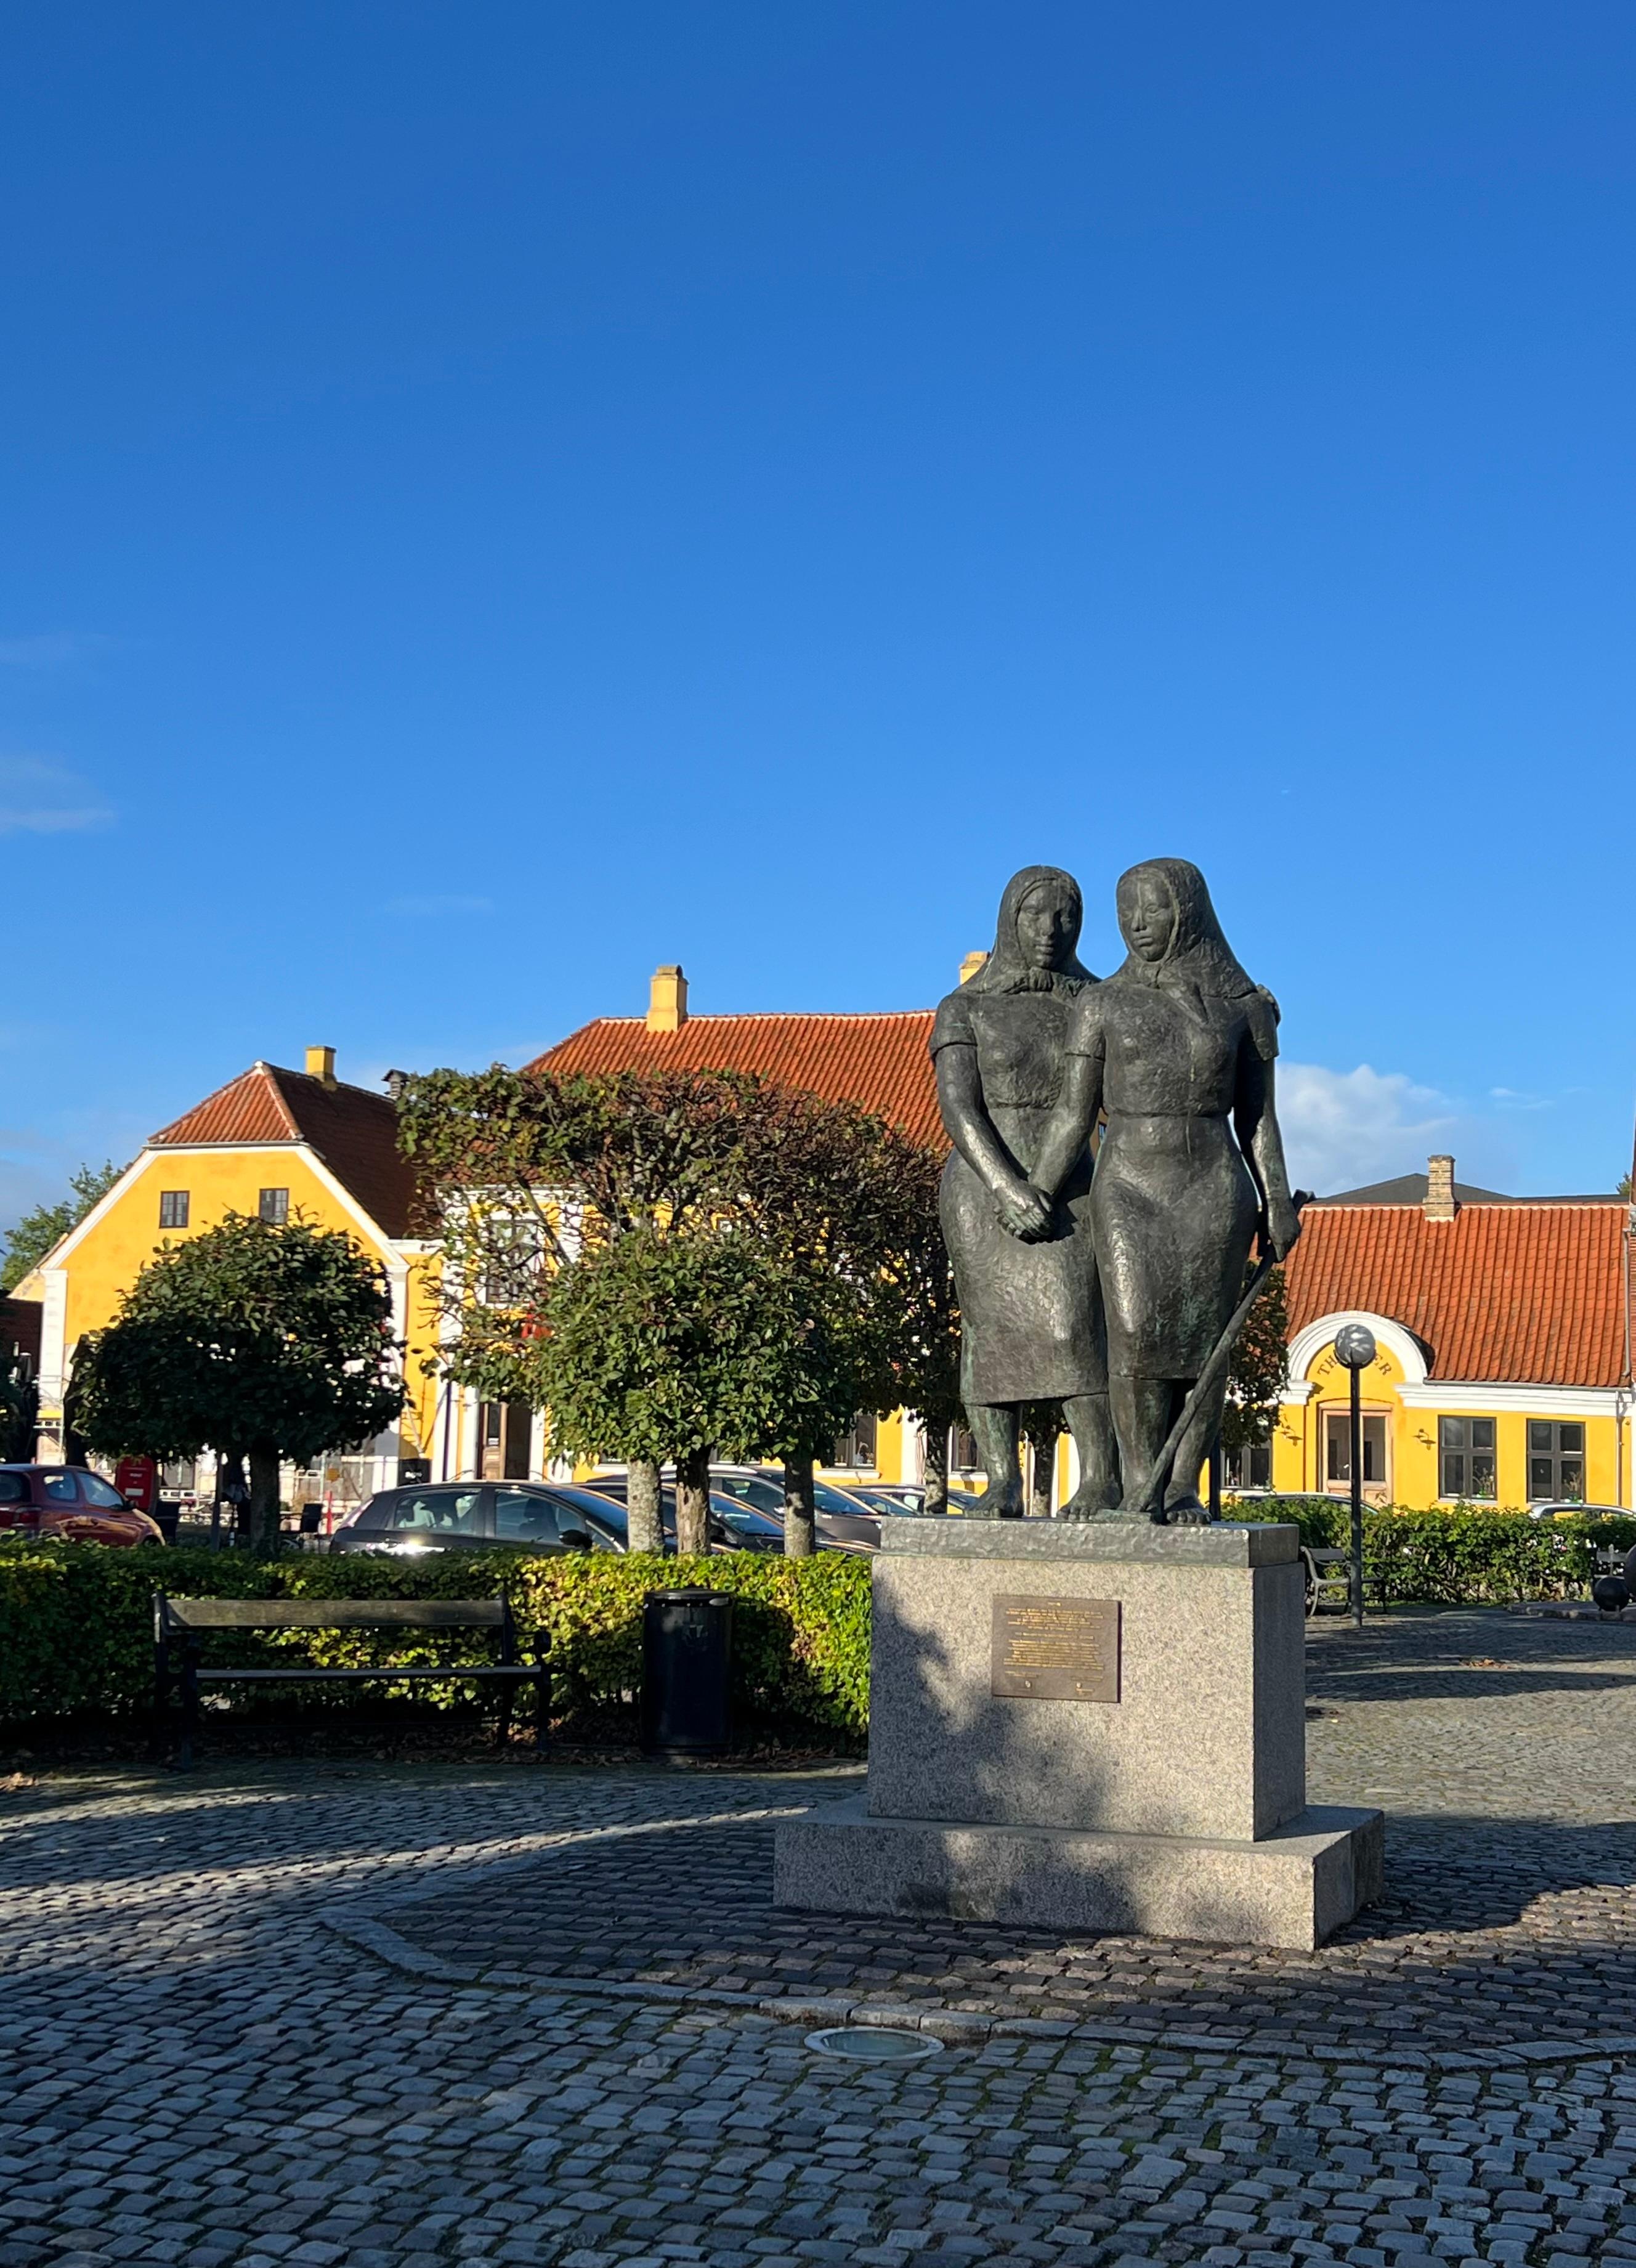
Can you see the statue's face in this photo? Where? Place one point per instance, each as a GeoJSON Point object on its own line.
{"type": "Point", "coordinates": [1045, 925]}
{"type": "Point", "coordinates": [1147, 918]}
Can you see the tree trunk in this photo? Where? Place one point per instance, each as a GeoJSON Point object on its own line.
{"type": "Point", "coordinates": [644, 1529]}
{"type": "Point", "coordinates": [936, 1443]}
{"type": "Point", "coordinates": [799, 1538]}
{"type": "Point", "coordinates": [1042, 1487]}
{"type": "Point", "coordinates": [693, 1503]}
{"type": "Point", "coordinates": [263, 1507]}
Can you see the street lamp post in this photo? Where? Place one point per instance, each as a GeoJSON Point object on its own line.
{"type": "Point", "coordinates": [1354, 1346]}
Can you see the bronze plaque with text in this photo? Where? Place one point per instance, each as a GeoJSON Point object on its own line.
{"type": "Point", "coordinates": [1056, 1649]}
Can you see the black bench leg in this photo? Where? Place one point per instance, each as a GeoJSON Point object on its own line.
{"type": "Point", "coordinates": [190, 1706]}
{"type": "Point", "coordinates": [543, 1704]}
{"type": "Point", "coordinates": [158, 1742]}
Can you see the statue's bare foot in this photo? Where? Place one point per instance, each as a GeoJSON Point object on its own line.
{"type": "Point", "coordinates": [1090, 1504]}
{"type": "Point", "coordinates": [994, 1504]}
{"type": "Point", "coordinates": [1187, 1511]}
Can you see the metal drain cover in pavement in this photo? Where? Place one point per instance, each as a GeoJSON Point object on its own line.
{"type": "Point", "coordinates": [874, 2043]}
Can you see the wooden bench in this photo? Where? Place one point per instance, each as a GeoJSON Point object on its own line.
{"type": "Point", "coordinates": [180, 1626]}
{"type": "Point", "coordinates": [1329, 1577]}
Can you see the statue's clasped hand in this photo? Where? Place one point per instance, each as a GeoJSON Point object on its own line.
{"type": "Point", "coordinates": [1024, 1211]}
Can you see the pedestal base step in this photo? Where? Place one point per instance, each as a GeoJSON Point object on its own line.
{"type": "Point", "coordinates": [1294, 1888]}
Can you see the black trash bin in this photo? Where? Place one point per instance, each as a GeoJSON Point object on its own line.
{"type": "Point", "coordinates": [687, 1657]}
{"type": "Point", "coordinates": [167, 1511]}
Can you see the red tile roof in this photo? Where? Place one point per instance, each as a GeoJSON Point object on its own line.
{"type": "Point", "coordinates": [1530, 1290]}
{"type": "Point", "coordinates": [354, 1131]}
{"type": "Point", "coordinates": [879, 1062]}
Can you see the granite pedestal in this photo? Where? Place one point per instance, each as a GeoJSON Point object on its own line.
{"type": "Point", "coordinates": [1096, 1726]}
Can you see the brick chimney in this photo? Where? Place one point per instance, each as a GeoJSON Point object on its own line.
{"type": "Point", "coordinates": [1440, 1189]}
{"type": "Point", "coordinates": [320, 1065]}
{"type": "Point", "coordinates": [970, 965]}
{"type": "Point", "coordinates": [667, 999]}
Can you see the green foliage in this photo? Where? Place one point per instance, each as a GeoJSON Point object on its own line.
{"type": "Point", "coordinates": [1456, 1557]}
{"type": "Point", "coordinates": [661, 1345]}
{"type": "Point", "coordinates": [675, 1260]}
{"type": "Point", "coordinates": [46, 1225]}
{"type": "Point", "coordinates": [1256, 1370]}
{"type": "Point", "coordinates": [76, 1621]}
{"type": "Point", "coordinates": [76, 1624]}
{"type": "Point", "coordinates": [252, 1335]}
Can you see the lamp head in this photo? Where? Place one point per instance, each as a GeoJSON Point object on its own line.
{"type": "Point", "coordinates": [1354, 1345]}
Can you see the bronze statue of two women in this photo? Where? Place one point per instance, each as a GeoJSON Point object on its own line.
{"type": "Point", "coordinates": [1103, 1274]}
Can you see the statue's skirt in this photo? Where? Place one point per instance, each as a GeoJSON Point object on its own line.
{"type": "Point", "coordinates": [1174, 1210]}
{"type": "Point", "coordinates": [1030, 1319]}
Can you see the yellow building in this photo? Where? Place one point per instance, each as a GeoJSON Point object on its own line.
{"type": "Point", "coordinates": [1503, 1329]}
{"type": "Point", "coordinates": [272, 1143]}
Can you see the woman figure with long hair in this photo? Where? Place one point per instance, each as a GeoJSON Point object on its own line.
{"type": "Point", "coordinates": [1177, 1047]}
{"type": "Point", "coordinates": [1024, 1265]}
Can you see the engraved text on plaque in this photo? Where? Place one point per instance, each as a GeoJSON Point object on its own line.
{"type": "Point", "coordinates": [1056, 1649]}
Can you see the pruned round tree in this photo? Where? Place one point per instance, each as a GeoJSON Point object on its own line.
{"type": "Point", "coordinates": [717, 1181]}
{"type": "Point", "coordinates": [257, 1339]}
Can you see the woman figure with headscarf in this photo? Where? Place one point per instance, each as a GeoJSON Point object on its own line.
{"type": "Point", "coordinates": [1177, 1047]}
{"type": "Point", "coordinates": [1024, 1265]}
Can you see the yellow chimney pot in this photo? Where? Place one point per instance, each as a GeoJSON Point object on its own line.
{"type": "Point", "coordinates": [1440, 1189]}
{"type": "Point", "coordinates": [321, 1065]}
{"type": "Point", "coordinates": [667, 999]}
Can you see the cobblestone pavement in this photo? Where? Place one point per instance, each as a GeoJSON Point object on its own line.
{"type": "Point", "coordinates": [199, 2066]}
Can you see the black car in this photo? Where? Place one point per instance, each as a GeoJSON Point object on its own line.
{"type": "Point", "coordinates": [545, 1516]}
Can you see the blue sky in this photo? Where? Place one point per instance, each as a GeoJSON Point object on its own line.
{"type": "Point", "coordinates": [497, 497]}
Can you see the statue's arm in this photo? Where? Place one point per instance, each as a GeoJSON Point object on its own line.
{"type": "Point", "coordinates": [1255, 1122]}
{"type": "Point", "coordinates": [972, 1132]}
{"type": "Point", "coordinates": [1068, 1128]}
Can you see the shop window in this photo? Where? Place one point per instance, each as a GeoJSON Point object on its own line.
{"type": "Point", "coordinates": [855, 1449]}
{"type": "Point", "coordinates": [172, 1208]}
{"type": "Point", "coordinates": [1556, 1462]}
{"type": "Point", "coordinates": [1338, 1450]}
{"type": "Point", "coordinates": [276, 1206]}
{"type": "Point", "coordinates": [1465, 1458]}
{"type": "Point", "coordinates": [1249, 1467]}
{"type": "Point", "coordinates": [962, 1452]}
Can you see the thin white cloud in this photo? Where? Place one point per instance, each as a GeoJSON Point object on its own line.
{"type": "Point", "coordinates": [1345, 1129]}
{"type": "Point", "coordinates": [50, 649]}
{"type": "Point", "coordinates": [39, 797]}
{"type": "Point", "coordinates": [434, 907]}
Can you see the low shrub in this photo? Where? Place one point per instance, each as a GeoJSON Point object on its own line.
{"type": "Point", "coordinates": [1457, 1557]}
{"type": "Point", "coordinates": [76, 1624]}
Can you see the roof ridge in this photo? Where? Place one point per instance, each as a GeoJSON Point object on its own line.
{"type": "Point", "coordinates": [273, 1073]}
{"type": "Point", "coordinates": [1467, 1205]}
{"type": "Point", "coordinates": [327, 1086]}
{"type": "Point", "coordinates": [765, 1016]}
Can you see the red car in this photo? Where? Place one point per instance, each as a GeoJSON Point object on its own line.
{"type": "Point", "coordinates": [68, 1502]}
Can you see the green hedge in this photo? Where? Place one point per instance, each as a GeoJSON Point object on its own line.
{"type": "Point", "coordinates": [75, 1620]}
{"type": "Point", "coordinates": [1458, 1557]}
{"type": "Point", "coordinates": [76, 1624]}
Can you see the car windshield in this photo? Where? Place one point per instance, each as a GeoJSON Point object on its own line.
{"type": "Point", "coordinates": [752, 1489]}
{"type": "Point", "coordinates": [834, 1499]}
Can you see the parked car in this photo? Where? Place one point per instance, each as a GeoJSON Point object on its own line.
{"type": "Point", "coordinates": [481, 1516]}
{"type": "Point", "coordinates": [841, 1521]}
{"type": "Point", "coordinates": [1562, 1509]}
{"type": "Point", "coordinates": [735, 1524]}
{"type": "Point", "coordinates": [71, 1504]}
{"type": "Point", "coordinates": [901, 1497]}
